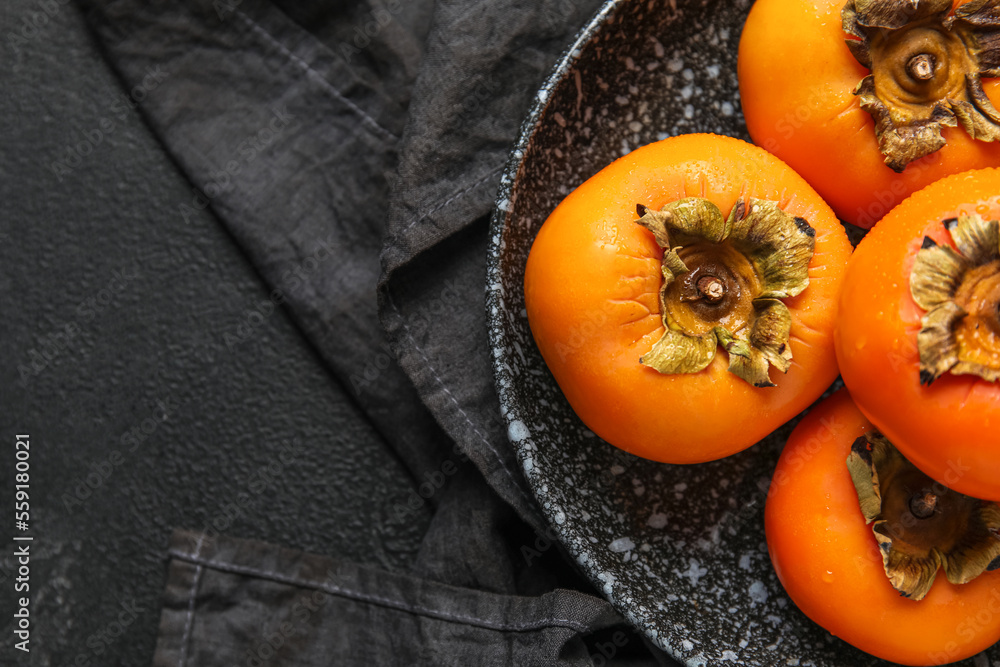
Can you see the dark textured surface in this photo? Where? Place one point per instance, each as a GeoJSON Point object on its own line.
{"type": "Point", "coordinates": [168, 319]}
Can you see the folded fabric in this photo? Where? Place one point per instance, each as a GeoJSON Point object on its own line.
{"type": "Point", "coordinates": [354, 150]}
{"type": "Point", "coordinates": [221, 593]}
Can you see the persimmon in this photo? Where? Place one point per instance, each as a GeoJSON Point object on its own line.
{"type": "Point", "coordinates": [836, 565]}
{"type": "Point", "coordinates": [918, 336]}
{"type": "Point", "coordinates": [747, 283]}
{"type": "Point", "coordinates": [872, 101]}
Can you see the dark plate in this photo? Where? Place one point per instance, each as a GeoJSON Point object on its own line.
{"type": "Point", "coordinates": [679, 550]}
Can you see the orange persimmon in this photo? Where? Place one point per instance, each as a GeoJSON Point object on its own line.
{"type": "Point", "coordinates": [830, 564]}
{"type": "Point", "coordinates": [592, 286]}
{"type": "Point", "coordinates": [940, 413]}
{"type": "Point", "coordinates": [797, 76]}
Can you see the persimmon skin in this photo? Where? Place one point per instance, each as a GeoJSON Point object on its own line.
{"type": "Point", "coordinates": [591, 292]}
{"type": "Point", "coordinates": [829, 562]}
{"type": "Point", "coordinates": [796, 79]}
{"type": "Point", "coordinates": [950, 429]}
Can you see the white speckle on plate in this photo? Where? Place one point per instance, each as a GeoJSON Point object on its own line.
{"type": "Point", "coordinates": [622, 544]}
{"type": "Point", "coordinates": [517, 431]}
{"type": "Point", "coordinates": [657, 520]}
{"type": "Point", "coordinates": [687, 645]}
{"type": "Point", "coordinates": [758, 592]}
{"type": "Point", "coordinates": [609, 581]}
{"type": "Point", "coordinates": [694, 572]}
{"type": "Point", "coordinates": [745, 562]}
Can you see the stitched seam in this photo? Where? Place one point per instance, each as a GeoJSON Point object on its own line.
{"type": "Point", "coordinates": [375, 599]}
{"type": "Point", "coordinates": [189, 621]}
{"type": "Point", "coordinates": [368, 120]}
{"type": "Point", "coordinates": [451, 396]}
{"type": "Point", "coordinates": [455, 196]}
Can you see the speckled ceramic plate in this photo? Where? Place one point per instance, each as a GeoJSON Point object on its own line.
{"type": "Point", "coordinates": [679, 550]}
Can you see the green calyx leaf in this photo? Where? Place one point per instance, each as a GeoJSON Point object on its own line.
{"type": "Point", "coordinates": [724, 279]}
{"type": "Point", "coordinates": [928, 64]}
{"type": "Point", "coordinates": [920, 525]}
{"type": "Point", "coordinates": [960, 290]}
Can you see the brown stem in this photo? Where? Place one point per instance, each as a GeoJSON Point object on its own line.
{"type": "Point", "coordinates": [923, 504]}
{"type": "Point", "coordinates": [711, 289]}
{"type": "Point", "coordinates": [921, 67]}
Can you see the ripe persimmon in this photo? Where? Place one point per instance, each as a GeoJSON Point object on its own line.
{"type": "Point", "coordinates": [741, 294]}
{"type": "Point", "coordinates": [830, 561]}
{"type": "Point", "coordinates": [922, 75]}
{"type": "Point", "coordinates": [918, 337]}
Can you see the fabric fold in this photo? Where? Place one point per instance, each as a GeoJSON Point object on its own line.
{"type": "Point", "coordinates": [340, 612]}
{"type": "Point", "coordinates": [289, 145]}
{"type": "Point", "coordinates": [290, 130]}
{"type": "Point", "coordinates": [462, 123]}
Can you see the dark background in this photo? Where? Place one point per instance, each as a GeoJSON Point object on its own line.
{"type": "Point", "coordinates": [143, 356]}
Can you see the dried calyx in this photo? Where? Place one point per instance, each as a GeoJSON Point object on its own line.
{"type": "Point", "coordinates": [723, 281]}
{"type": "Point", "coordinates": [960, 290]}
{"type": "Point", "coordinates": [927, 64]}
{"type": "Point", "coordinates": [921, 525]}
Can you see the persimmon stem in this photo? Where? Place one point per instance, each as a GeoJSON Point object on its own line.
{"type": "Point", "coordinates": [923, 504]}
{"type": "Point", "coordinates": [921, 67]}
{"type": "Point", "coordinates": [711, 289]}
